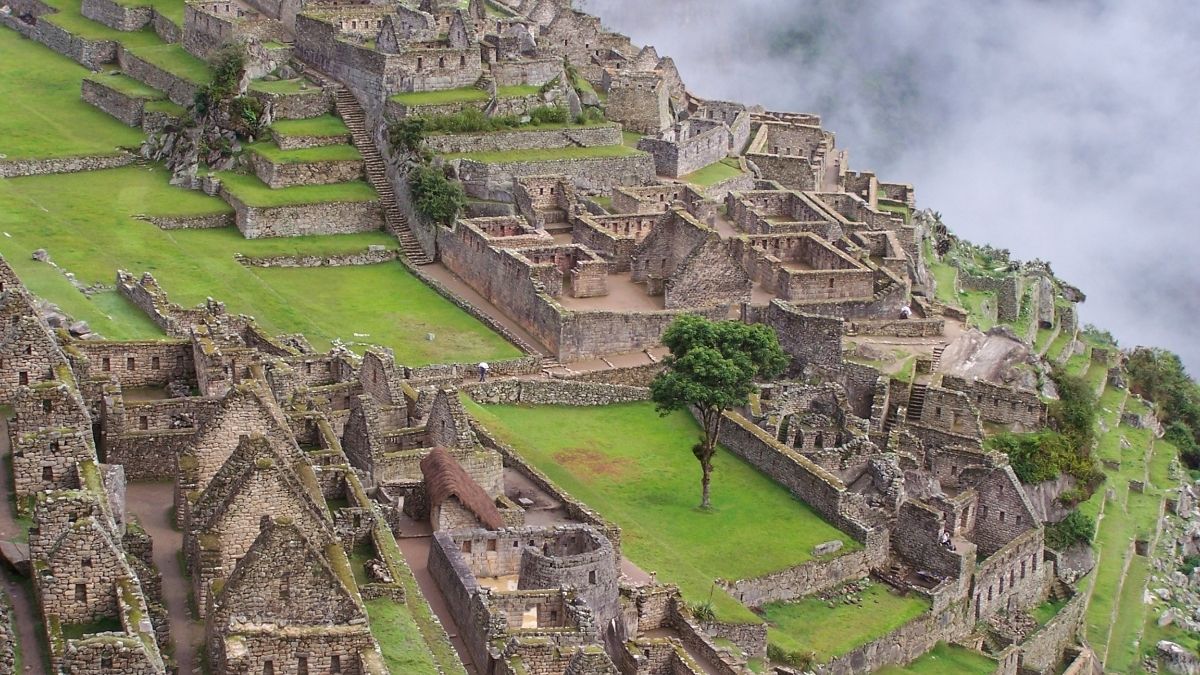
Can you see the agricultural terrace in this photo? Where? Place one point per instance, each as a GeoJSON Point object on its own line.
{"type": "Point", "coordinates": [90, 224]}
{"type": "Point", "coordinates": [637, 470]}
{"type": "Point", "coordinates": [44, 116]}
{"type": "Point", "coordinates": [944, 659]}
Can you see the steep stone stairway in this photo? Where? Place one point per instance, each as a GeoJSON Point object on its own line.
{"type": "Point", "coordinates": [937, 358]}
{"type": "Point", "coordinates": [352, 114]}
{"type": "Point", "coordinates": [916, 402]}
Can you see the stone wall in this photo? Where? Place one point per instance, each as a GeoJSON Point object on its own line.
{"type": "Point", "coordinates": [589, 334]}
{"type": "Point", "coordinates": [117, 16]}
{"type": "Point", "coordinates": [125, 108]}
{"type": "Point", "coordinates": [371, 256]}
{"type": "Point", "coordinates": [897, 327]}
{"type": "Point", "coordinates": [490, 180]}
{"type": "Point", "coordinates": [531, 138]}
{"type": "Point", "coordinates": [1001, 405]}
{"type": "Point", "coordinates": [13, 168]}
{"type": "Point", "coordinates": [903, 645]}
{"type": "Point", "coordinates": [134, 364]}
{"type": "Point", "coordinates": [288, 174]}
{"type": "Point", "coordinates": [1044, 650]}
{"type": "Point", "coordinates": [301, 220]}
{"type": "Point", "coordinates": [1011, 579]}
{"type": "Point", "coordinates": [553, 392]}
{"type": "Point", "coordinates": [801, 580]}
{"type": "Point", "coordinates": [177, 89]}
{"type": "Point", "coordinates": [294, 106]}
{"type": "Point", "coordinates": [1008, 301]}
{"type": "Point", "coordinates": [680, 157]}
{"type": "Point", "coordinates": [807, 338]}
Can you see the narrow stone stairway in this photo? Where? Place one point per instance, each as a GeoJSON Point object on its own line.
{"type": "Point", "coordinates": [916, 402]}
{"type": "Point", "coordinates": [352, 114]}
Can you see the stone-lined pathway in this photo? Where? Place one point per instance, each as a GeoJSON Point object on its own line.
{"type": "Point", "coordinates": [151, 503]}
{"type": "Point", "coordinates": [26, 614]}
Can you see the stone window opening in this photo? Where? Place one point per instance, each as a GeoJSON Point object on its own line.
{"type": "Point", "coordinates": [1002, 516]}
{"type": "Point", "coordinates": [1033, 566]}
{"type": "Point", "coordinates": [23, 377]}
{"type": "Point", "coordinates": [47, 405]}
{"type": "Point", "coordinates": [516, 544]}
{"type": "Point", "coordinates": [129, 363]}
{"type": "Point", "coordinates": [47, 473]}
{"type": "Point", "coordinates": [155, 363]}
{"type": "Point", "coordinates": [302, 665]}
{"type": "Point", "coordinates": [106, 364]}
{"type": "Point", "coordinates": [81, 592]}
{"type": "Point", "coordinates": [462, 60]}
{"type": "Point", "coordinates": [268, 667]}
{"type": "Point", "coordinates": [491, 544]}
{"type": "Point", "coordinates": [86, 562]}
{"type": "Point", "coordinates": [335, 664]}
{"type": "Point", "coordinates": [106, 663]}
{"type": "Point", "coordinates": [420, 63]}
{"type": "Point", "coordinates": [143, 423]}
{"type": "Point", "coordinates": [29, 350]}
{"type": "Point", "coordinates": [953, 470]}
{"type": "Point", "coordinates": [592, 577]}
{"type": "Point", "coordinates": [466, 546]}
{"type": "Point", "coordinates": [989, 593]}
{"type": "Point", "coordinates": [1022, 569]}
{"type": "Point", "coordinates": [441, 62]}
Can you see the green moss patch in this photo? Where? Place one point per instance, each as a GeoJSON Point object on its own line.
{"type": "Point", "coordinates": [325, 125]}
{"type": "Point", "coordinates": [324, 153]}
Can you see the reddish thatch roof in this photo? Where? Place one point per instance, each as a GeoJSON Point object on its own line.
{"type": "Point", "coordinates": [445, 478]}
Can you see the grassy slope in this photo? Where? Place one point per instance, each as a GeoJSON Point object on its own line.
{"type": "Point", "coordinates": [646, 480]}
{"type": "Point", "coordinates": [325, 125]}
{"type": "Point", "coordinates": [714, 173]}
{"type": "Point", "coordinates": [945, 659]}
{"type": "Point", "coordinates": [400, 640]}
{"type": "Point", "coordinates": [43, 115]}
{"type": "Point", "coordinates": [321, 153]}
{"type": "Point", "coordinates": [252, 191]}
{"type": "Point", "coordinates": [830, 631]}
{"type": "Point", "coordinates": [461, 95]}
{"type": "Point", "coordinates": [546, 154]}
{"type": "Point", "coordinates": [84, 221]}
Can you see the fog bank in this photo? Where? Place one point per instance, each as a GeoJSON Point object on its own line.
{"type": "Point", "coordinates": [1065, 130]}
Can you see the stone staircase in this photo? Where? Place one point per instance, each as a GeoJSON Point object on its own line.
{"type": "Point", "coordinates": [376, 170]}
{"type": "Point", "coordinates": [937, 358]}
{"type": "Point", "coordinates": [1059, 590]}
{"type": "Point", "coordinates": [916, 403]}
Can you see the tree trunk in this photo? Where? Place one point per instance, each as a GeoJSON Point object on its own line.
{"type": "Point", "coordinates": [711, 419]}
{"type": "Point", "coordinates": [706, 466]}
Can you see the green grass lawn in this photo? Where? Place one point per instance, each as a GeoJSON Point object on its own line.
{"type": "Point", "coordinates": [898, 208]}
{"type": "Point", "coordinates": [44, 115]}
{"type": "Point", "coordinates": [85, 221]}
{"type": "Point", "coordinates": [981, 306]}
{"type": "Point", "coordinates": [404, 650]}
{"type": "Point", "coordinates": [1064, 338]}
{"type": "Point", "coordinates": [946, 659]}
{"type": "Point", "coordinates": [70, 17]}
{"type": "Point", "coordinates": [646, 480]}
{"type": "Point", "coordinates": [297, 85]}
{"type": "Point", "coordinates": [714, 173]}
{"type": "Point", "coordinates": [631, 138]}
{"type": "Point", "coordinates": [325, 125]}
{"type": "Point", "coordinates": [812, 624]}
{"type": "Point", "coordinates": [441, 97]}
{"type": "Point", "coordinates": [1047, 610]}
{"type": "Point", "coordinates": [1042, 342]}
{"type": "Point", "coordinates": [253, 192]}
{"type": "Point", "coordinates": [546, 154]}
{"type": "Point", "coordinates": [175, 60]}
{"type": "Point", "coordinates": [126, 85]}
{"type": "Point", "coordinates": [321, 153]}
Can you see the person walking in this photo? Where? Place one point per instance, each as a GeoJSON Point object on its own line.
{"type": "Point", "coordinates": [483, 371]}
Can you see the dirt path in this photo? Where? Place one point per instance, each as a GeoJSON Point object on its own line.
{"type": "Point", "coordinates": [414, 540]}
{"type": "Point", "coordinates": [25, 612]}
{"type": "Point", "coordinates": [151, 502]}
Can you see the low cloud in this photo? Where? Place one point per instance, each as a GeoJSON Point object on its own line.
{"type": "Point", "coordinates": [1065, 130]}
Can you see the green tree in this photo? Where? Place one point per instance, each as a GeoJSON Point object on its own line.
{"type": "Point", "coordinates": [712, 368]}
{"type": "Point", "coordinates": [436, 197]}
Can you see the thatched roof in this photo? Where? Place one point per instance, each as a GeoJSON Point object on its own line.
{"type": "Point", "coordinates": [445, 478]}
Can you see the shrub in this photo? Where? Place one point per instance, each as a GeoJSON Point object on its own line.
{"type": "Point", "coordinates": [704, 612]}
{"type": "Point", "coordinates": [1076, 528]}
{"type": "Point", "coordinates": [1190, 563]}
{"type": "Point", "coordinates": [436, 197]}
{"type": "Point", "coordinates": [1159, 376]}
{"type": "Point", "coordinates": [405, 135]}
{"type": "Point", "coordinates": [548, 115]}
{"type": "Point", "coordinates": [802, 660]}
{"type": "Point", "coordinates": [590, 115]}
